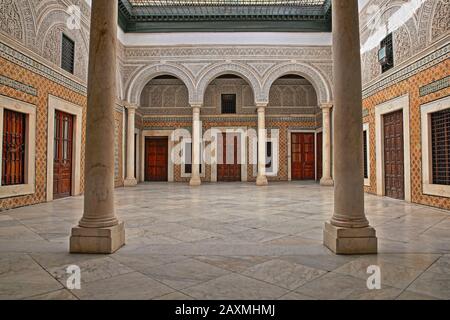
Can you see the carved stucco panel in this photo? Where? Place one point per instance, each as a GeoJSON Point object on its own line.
{"type": "Point", "coordinates": [441, 19]}
{"type": "Point", "coordinates": [10, 20]}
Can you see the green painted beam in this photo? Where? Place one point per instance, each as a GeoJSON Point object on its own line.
{"type": "Point", "coordinates": [227, 26]}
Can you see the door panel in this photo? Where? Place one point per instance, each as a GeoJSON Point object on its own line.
{"type": "Point", "coordinates": [156, 157]}
{"type": "Point", "coordinates": [393, 155]}
{"type": "Point", "coordinates": [62, 165]}
{"type": "Point", "coordinates": [228, 167]}
{"type": "Point", "coordinates": [303, 156]}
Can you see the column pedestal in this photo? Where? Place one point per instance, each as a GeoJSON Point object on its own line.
{"type": "Point", "coordinates": [130, 182]}
{"type": "Point", "coordinates": [350, 240]}
{"type": "Point", "coordinates": [261, 181]}
{"type": "Point", "coordinates": [97, 240]}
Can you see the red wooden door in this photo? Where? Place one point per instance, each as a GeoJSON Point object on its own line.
{"type": "Point", "coordinates": [303, 156]}
{"type": "Point", "coordinates": [156, 157]}
{"type": "Point", "coordinates": [13, 153]}
{"type": "Point", "coordinates": [62, 162]}
{"type": "Point", "coordinates": [393, 155]}
{"type": "Point", "coordinates": [319, 155]}
{"type": "Point", "coordinates": [228, 167]}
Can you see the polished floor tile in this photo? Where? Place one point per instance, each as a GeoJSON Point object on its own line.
{"type": "Point", "coordinates": [225, 241]}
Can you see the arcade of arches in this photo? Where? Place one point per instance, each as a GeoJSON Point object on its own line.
{"type": "Point", "coordinates": [182, 114]}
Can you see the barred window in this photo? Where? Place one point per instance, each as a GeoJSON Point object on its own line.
{"type": "Point", "coordinates": [228, 103]}
{"type": "Point", "coordinates": [13, 153]}
{"type": "Point", "coordinates": [67, 54]}
{"type": "Point", "coordinates": [386, 53]}
{"type": "Point", "coordinates": [440, 141]}
{"type": "Point", "coordinates": [366, 155]}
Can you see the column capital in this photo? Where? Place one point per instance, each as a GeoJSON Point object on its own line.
{"type": "Point", "coordinates": [326, 105]}
{"type": "Point", "coordinates": [261, 104]}
{"type": "Point", "coordinates": [131, 106]}
{"type": "Point", "coordinates": [196, 109]}
{"type": "Point", "coordinates": [196, 105]}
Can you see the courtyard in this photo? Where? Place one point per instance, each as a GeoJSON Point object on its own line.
{"type": "Point", "coordinates": [225, 241]}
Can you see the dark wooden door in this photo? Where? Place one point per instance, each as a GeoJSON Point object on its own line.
{"type": "Point", "coordinates": [393, 155]}
{"type": "Point", "coordinates": [303, 156]}
{"type": "Point", "coordinates": [319, 155]}
{"type": "Point", "coordinates": [62, 162]}
{"type": "Point", "coordinates": [156, 157]}
{"type": "Point", "coordinates": [228, 166]}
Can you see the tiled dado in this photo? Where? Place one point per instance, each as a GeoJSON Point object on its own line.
{"type": "Point", "coordinates": [5, 81]}
{"type": "Point", "coordinates": [435, 86]}
{"type": "Point", "coordinates": [410, 86]}
{"type": "Point", "coordinates": [20, 82]}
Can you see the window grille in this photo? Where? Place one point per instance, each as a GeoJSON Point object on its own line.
{"type": "Point", "coordinates": [67, 54]}
{"type": "Point", "coordinates": [440, 140]}
{"type": "Point", "coordinates": [13, 153]}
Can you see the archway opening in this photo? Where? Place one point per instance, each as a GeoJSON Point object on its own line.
{"type": "Point", "coordinates": [294, 96]}
{"type": "Point", "coordinates": [163, 96]}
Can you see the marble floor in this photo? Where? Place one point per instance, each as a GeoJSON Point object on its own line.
{"type": "Point", "coordinates": [225, 241]}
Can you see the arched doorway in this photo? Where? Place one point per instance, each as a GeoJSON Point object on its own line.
{"type": "Point", "coordinates": [162, 97]}
{"type": "Point", "coordinates": [294, 97]}
{"type": "Point", "coordinates": [228, 110]}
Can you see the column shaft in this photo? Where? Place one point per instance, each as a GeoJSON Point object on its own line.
{"type": "Point", "coordinates": [326, 179]}
{"type": "Point", "coordinates": [99, 230]}
{"type": "Point", "coordinates": [131, 177]}
{"type": "Point", "coordinates": [348, 232]}
{"type": "Point", "coordinates": [196, 144]}
{"type": "Point", "coordinates": [261, 179]}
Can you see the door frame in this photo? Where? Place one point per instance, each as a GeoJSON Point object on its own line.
{"type": "Point", "coordinates": [396, 104]}
{"type": "Point", "coordinates": [55, 103]}
{"type": "Point", "coordinates": [289, 148]}
{"type": "Point", "coordinates": [137, 151]}
{"type": "Point", "coordinates": [154, 134]}
{"type": "Point", "coordinates": [239, 130]}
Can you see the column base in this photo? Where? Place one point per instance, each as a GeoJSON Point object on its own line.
{"type": "Point", "coordinates": [350, 240]}
{"type": "Point", "coordinates": [326, 182]}
{"type": "Point", "coordinates": [261, 181]}
{"type": "Point", "coordinates": [195, 182]}
{"type": "Point", "coordinates": [97, 240]}
{"type": "Point", "coordinates": [130, 182]}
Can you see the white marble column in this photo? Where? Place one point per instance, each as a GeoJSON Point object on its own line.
{"type": "Point", "coordinates": [99, 230]}
{"type": "Point", "coordinates": [196, 145]}
{"type": "Point", "coordinates": [261, 179]}
{"type": "Point", "coordinates": [130, 180]}
{"type": "Point", "coordinates": [349, 231]}
{"type": "Point", "coordinates": [326, 179]}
